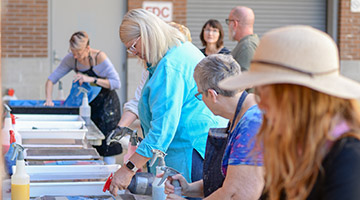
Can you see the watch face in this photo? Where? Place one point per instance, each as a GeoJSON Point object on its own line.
{"type": "Point", "coordinates": [130, 165]}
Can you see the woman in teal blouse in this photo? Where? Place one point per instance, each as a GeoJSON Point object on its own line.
{"type": "Point", "coordinates": [173, 120]}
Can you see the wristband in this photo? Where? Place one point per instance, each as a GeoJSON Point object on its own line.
{"type": "Point", "coordinates": [130, 165]}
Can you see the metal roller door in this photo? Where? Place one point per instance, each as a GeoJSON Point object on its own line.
{"type": "Point", "coordinates": [268, 14]}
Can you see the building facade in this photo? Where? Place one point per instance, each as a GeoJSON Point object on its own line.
{"type": "Point", "coordinates": [28, 38]}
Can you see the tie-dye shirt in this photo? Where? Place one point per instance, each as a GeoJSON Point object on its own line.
{"type": "Point", "coordinates": [242, 141]}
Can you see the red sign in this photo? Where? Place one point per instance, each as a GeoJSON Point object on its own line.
{"type": "Point", "coordinates": [162, 9]}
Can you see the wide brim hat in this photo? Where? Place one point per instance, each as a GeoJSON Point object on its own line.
{"type": "Point", "coordinates": [299, 55]}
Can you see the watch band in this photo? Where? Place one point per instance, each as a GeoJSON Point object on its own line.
{"type": "Point", "coordinates": [95, 80]}
{"type": "Point", "coordinates": [130, 165]}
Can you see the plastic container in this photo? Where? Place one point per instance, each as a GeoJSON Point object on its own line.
{"type": "Point", "coordinates": [10, 95]}
{"type": "Point", "coordinates": [61, 95]}
{"type": "Point", "coordinates": [9, 162]}
{"type": "Point", "coordinates": [85, 109]}
{"type": "Point", "coordinates": [5, 131]}
{"type": "Point", "coordinates": [158, 191]}
{"type": "Point", "coordinates": [16, 132]}
{"type": "Point", "coordinates": [20, 180]}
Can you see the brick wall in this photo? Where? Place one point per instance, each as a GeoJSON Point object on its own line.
{"type": "Point", "coordinates": [179, 9]}
{"type": "Point", "coordinates": [24, 28]}
{"type": "Point", "coordinates": [349, 32]}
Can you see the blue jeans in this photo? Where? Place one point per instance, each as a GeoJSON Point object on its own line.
{"type": "Point", "coordinates": [196, 169]}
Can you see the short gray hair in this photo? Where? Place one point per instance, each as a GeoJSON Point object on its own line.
{"type": "Point", "coordinates": [214, 68]}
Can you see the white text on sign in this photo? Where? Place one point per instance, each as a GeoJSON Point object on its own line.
{"type": "Point", "coordinates": [162, 9]}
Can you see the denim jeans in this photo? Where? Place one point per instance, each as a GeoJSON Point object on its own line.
{"type": "Point", "coordinates": [196, 169]}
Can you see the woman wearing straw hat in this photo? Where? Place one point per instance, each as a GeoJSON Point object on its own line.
{"type": "Point", "coordinates": [311, 127]}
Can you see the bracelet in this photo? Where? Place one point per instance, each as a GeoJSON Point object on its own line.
{"type": "Point", "coordinates": [95, 80]}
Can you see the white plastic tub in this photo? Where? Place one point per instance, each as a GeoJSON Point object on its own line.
{"type": "Point", "coordinates": [69, 172]}
{"type": "Point", "coordinates": [65, 179]}
{"type": "Point", "coordinates": [68, 189]}
{"type": "Point", "coordinates": [52, 129]}
{"type": "Point", "coordinates": [47, 117]}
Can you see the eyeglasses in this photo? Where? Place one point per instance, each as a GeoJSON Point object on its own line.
{"type": "Point", "coordinates": [211, 31]}
{"type": "Point", "coordinates": [227, 21]}
{"type": "Point", "coordinates": [132, 50]}
{"type": "Point", "coordinates": [199, 96]}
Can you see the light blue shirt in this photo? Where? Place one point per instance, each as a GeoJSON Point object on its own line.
{"type": "Point", "coordinates": [173, 120]}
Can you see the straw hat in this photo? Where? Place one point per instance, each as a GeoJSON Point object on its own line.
{"type": "Point", "coordinates": [298, 55]}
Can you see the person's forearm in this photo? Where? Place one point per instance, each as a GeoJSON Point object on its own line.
{"type": "Point", "coordinates": [127, 119]}
{"type": "Point", "coordinates": [195, 189]}
{"type": "Point", "coordinates": [122, 177]}
{"type": "Point", "coordinates": [105, 83]}
{"type": "Point", "coordinates": [219, 194]}
{"type": "Point", "coordinates": [138, 160]}
{"type": "Point", "coordinates": [242, 182]}
{"type": "Point", "coordinates": [48, 90]}
{"type": "Point", "coordinates": [225, 193]}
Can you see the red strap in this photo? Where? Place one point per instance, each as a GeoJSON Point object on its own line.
{"type": "Point", "coordinates": [107, 183]}
{"type": "Point", "coordinates": [12, 137]}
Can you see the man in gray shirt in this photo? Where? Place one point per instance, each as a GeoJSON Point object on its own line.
{"type": "Point", "coordinates": [241, 22]}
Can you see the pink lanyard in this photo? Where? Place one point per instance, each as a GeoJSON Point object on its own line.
{"type": "Point", "coordinates": [338, 131]}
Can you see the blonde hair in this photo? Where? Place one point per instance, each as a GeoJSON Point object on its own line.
{"type": "Point", "coordinates": [157, 37]}
{"type": "Point", "coordinates": [294, 142]}
{"type": "Point", "coordinates": [183, 29]}
{"type": "Point", "coordinates": [79, 40]}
